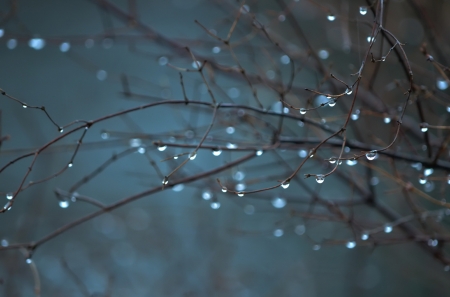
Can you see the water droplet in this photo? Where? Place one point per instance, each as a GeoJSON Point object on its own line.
{"type": "Point", "coordinates": [331, 17]}
{"type": "Point", "coordinates": [285, 184]}
{"type": "Point", "coordinates": [270, 74]}
{"type": "Point", "coordinates": [354, 116]}
{"type": "Point", "coordinates": [165, 180]}
{"type": "Point", "coordinates": [278, 232]}
{"type": "Point", "coordinates": [60, 129]}
{"type": "Point", "coordinates": [64, 204]}
{"type": "Point", "coordinates": [4, 243]}
{"type": "Point", "coordinates": [24, 106]}
{"type": "Point", "coordinates": [215, 205]}
{"type": "Point", "coordinates": [424, 127]}
{"type": "Point", "coordinates": [351, 162]}
{"type": "Point", "coordinates": [348, 91]}
{"type": "Point", "coordinates": [302, 110]}
{"type": "Point", "coordinates": [216, 152]}
{"type": "Point", "coordinates": [104, 135]}
{"type": "Point", "coordinates": [231, 145]}
{"type": "Point", "coordinates": [302, 153]}
{"type": "Point", "coordinates": [36, 43]}
{"type": "Point", "coordinates": [364, 236]}
{"type": "Point", "coordinates": [422, 180]}
{"type": "Point", "coordinates": [216, 50]}
{"type": "Point", "coordinates": [9, 195]}
{"type": "Point", "coordinates": [433, 242]}
{"type": "Point", "coordinates": [316, 247]}
{"type": "Point", "coordinates": [178, 188]}
{"type": "Point", "coordinates": [428, 171]}
{"type": "Point", "coordinates": [163, 60]}
{"type": "Point", "coordinates": [64, 47]}
{"type": "Point", "coordinates": [230, 130]}
{"type": "Point", "coordinates": [429, 186]}
{"type": "Point", "coordinates": [196, 64]}
{"type": "Point", "coordinates": [207, 195]}
{"type": "Point", "coordinates": [387, 120]}
{"type": "Point", "coordinates": [162, 148]}
{"type": "Point", "coordinates": [70, 164]}
{"type": "Point", "coordinates": [11, 44]}
{"type": "Point", "coordinates": [29, 261]}
{"type": "Point", "coordinates": [300, 229]}
{"type": "Point", "coordinates": [383, 59]}
{"type": "Point", "coordinates": [278, 202]}
{"type": "Point", "coordinates": [7, 205]}
{"type": "Point", "coordinates": [323, 54]}
{"type": "Point", "coordinates": [249, 209]}
{"type": "Point", "coordinates": [332, 160]}
{"type": "Point", "coordinates": [320, 178]}
{"type": "Point", "coordinates": [363, 10]}
{"type": "Point", "coordinates": [350, 244]}
{"type": "Point", "coordinates": [371, 155]}
{"type": "Point", "coordinates": [102, 75]}
{"type": "Point", "coordinates": [240, 187]}
{"type": "Point", "coordinates": [369, 39]}
{"type": "Point", "coordinates": [259, 152]}
{"type": "Point", "coordinates": [141, 150]}
{"type": "Point", "coordinates": [224, 189]}
{"type": "Point", "coordinates": [193, 155]}
{"type": "Point", "coordinates": [240, 194]}
{"type": "Point", "coordinates": [442, 84]}
{"type": "Point", "coordinates": [285, 59]}
{"type": "Point", "coordinates": [387, 228]}
{"type": "Point", "coordinates": [332, 102]}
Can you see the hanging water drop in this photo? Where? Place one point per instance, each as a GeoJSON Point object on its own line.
{"type": "Point", "coordinates": [259, 152]}
{"type": "Point", "coordinates": [165, 180]}
{"type": "Point", "coordinates": [350, 244]}
{"type": "Point", "coordinates": [64, 204]}
{"type": "Point", "coordinates": [302, 110]}
{"type": "Point", "coordinates": [60, 129]}
{"type": "Point", "coordinates": [285, 184]}
{"type": "Point", "coordinates": [24, 106]}
{"type": "Point", "coordinates": [8, 205]}
{"type": "Point", "coordinates": [424, 127]}
{"type": "Point", "coordinates": [387, 120]}
{"type": "Point", "coordinates": [320, 178]}
{"type": "Point", "coordinates": [278, 232]}
{"type": "Point", "coordinates": [216, 152]}
{"type": "Point", "coordinates": [331, 17]}
{"type": "Point", "coordinates": [193, 155]}
{"type": "Point", "coordinates": [316, 247]}
{"type": "Point", "coordinates": [29, 261]}
{"type": "Point", "coordinates": [387, 228]}
{"type": "Point", "coordinates": [215, 205]}
{"type": "Point", "coordinates": [224, 189]}
{"type": "Point", "coordinates": [348, 91]}
{"type": "Point", "coordinates": [332, 160]}
{"type": "Point", "coordinates": [422, 180]}
{"type": "Point", "coordinates": [364, 236]}
{"type": "Point", "coordinates": [332, 102]}
{"type": "Point", "coordinates": [4, 243]}
{"type": "Point", "coordinates": [240, 194]}
{"type": "Point", "coordinates": [162, 148]}
{"type": "Point", "coordinates": [363, 10]}
{"type": "Point", "coordinates": [9, 195]}
{"type": "Point", "coordinates": [206, 195]}
{"type": "Point", "coordinates": [371, 155]}
{"type": "Point", "coordinates": [70, 164]}
{"type": "Point", "coordinates": [428, 171]}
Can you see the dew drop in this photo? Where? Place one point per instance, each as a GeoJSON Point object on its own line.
{"type": "Point", "coordinates": [60, 129]}
{"type": "Point", "coordinates": [141, 150]}
{"type": "Point", "coordinates": [216, 152]}
{"type": "Point", "coordinates": [285, 59]}
{"type": "Point", "coordinates": [70, 164]}
{"type": "Point", "coordinates": [207, 195]}
{"type": "Point", "coordinates": [230, 130]}
{"type": "Point", "coordinates": [323, 54]}
{"type": "Point", "coordinates": [104, 135]}
{"type": "Point", "coordinates": [178, 188]}
{"type": "Point", "coordinates": [331, 17]}
{"type": "Point", "coordinates": [11, 44]}
{"type": "Point", "coordinates": [332, 102]}
{"type": "Point", "coordinates": [371, 155]}
{"type": "Point", "coordinates": [240, 187]}
{"type": "Point", "coordinates": [424, 127]}
{"type": "Point", "coordinates": [350, 244]}
{"type": "Point", "coordinates": [259, 152]}
{"type": "Point", "coordinates": [302, 110]}
{"type": "Point", "coordinates": [102, 74]}
{"type": "Point", "coordinates": [165, 180]}
{"type": "Point", "coordinates": [363, 10]}
{"type": "Point", "coordinates": [216, 50]}
{"type": "Point", "coordinates": [224, 189]}
{"type": "Point", "coordinates": [163, 60]}
{"type": "Point", "coordinates": [240, 194]}
{"type": "Point", "coordinates": [332, 160]}
{"type": "Point", "coordinates": [448, 108]}
{"type": "Point", "coordinates": [387, 228]}
{"type": "Point", "coordinates": [348, 91]}
{"type": "Point", "coordinates": [428, 171]}
{"type": "Point", "coordinates": [422, 180]}
{"type": "Point", "coordinates": [387, 120]}
{"type": "Point", "coordinates": [193, 155]}
{"type": "Point", "coordinates": [162, 148]}
{"type": "Point", "coordinates": [9, 196]}
{"type": "Point", "coordinates": [7, 205]}
{"type": "Point", "coordinates": [64, 47]}
{"type": "Point", "coordinates": [442, 84]}
{"type": "Point", "coordinates": [249, 209]}
{"type": "Point", "coordinates": [24, 106]}
{"type": "Point", "coordinates": [29, 261]}
{"type": "Point", "coordinates": [320, 178]}
{"type": "Point", "coordinates": [351, 162]}
{"type": "Point", "coordinates": [36, 43]}
{"type": "Point", "coordinates": [364, 236]}
{"type": "Point", "coordinates": [196, 64]}
{"type": "Point", "coordinates": [215, 205]}
{"type": "Point", "coordinates": [64, 204]}
{"type": "Point", "coordinates": [285, 184]}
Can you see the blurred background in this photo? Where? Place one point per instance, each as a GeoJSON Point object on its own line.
{"type": "Point", "coordinates": [373, 227]}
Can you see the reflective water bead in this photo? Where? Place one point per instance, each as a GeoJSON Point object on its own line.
{"type": "Point", "coordinates": [278, 202]}
{"type": "Point", "coordinates": [193, 155]}
{"type": "Point", "coordinates": [422, 180]}
{"type": "Point", "coordinates": [320, 178]}
{"type": "Point", "coordinates": [428, 171]}
{"type": "Point", "coordinates": [36, 43]}
{"type": "Point", "coordinates": [216, 152]}
{"type": "Point", "coordinates": [350, 244]}
{"type": "Point", "coordinates": [178, 188]}
{"type": "Point", "coordinates": [64, 47]}
{"type": "Point", "coordinates": [70, 164]}
{"type": "Point", "coordinates": [60, 130]}
{"type": "Point", "coordinates": [249, 209]}
{"type": "Point", "coordinates": [387, 228]}
{"type": "Point", "coordinates": [141, 150]}
{"type": "Point", "coordinates": [332, 102]}
{"type": "Point", "coordinates": [240, 194]}
{"type": "Point", "coordinates": [348, 91]}
{"type": "Point", "coordinates": [302, 110]}
{"type": "Point", "coordinates": [224, 189]}
{"type": "Point", "coordinates": [331, 17]}
{"type": "Point", "coordinates": [216, 49]}
{"type": "Point", "coordinates": [285, 184]}
{"type": "Point", "coordinates": [104, 135]}
{"type": "Point", "coordinates": [364, 236]}
{"type": "Point", "coordinates": [332, 160]}
{"type": "Point", "coordinates": [363, 10]}
{"type": "Point", "coordinates": [215, 205]}
{"type": "Point", "coordinates": [259, 152]}
{"type": "Point", "coordinates": [7, 205]}
{"type": "Point", "coordinates": [162, 148]}
{"type": "Point", "coordinates": [448, 108]}
{"type": "Point", "coordinates": [24, 106]}
{"type": "Point", "coordinates": [240, 187]}
{"type": "Point", "coordinates": [387, 120]}
{"type": "Point", "coordinates": [424, 127]}
{"type": "Point", "coordinates": [206, 195]}
{"type": "Point", "coordinates": [165, 180]}
{"type": "Point", "coordinates": [9, 195]}
{"type": "Point", "coordinates": [29, 261]}
{"type": "Point", "coordinates": [442, 84]}
{"type": "Point", "coordinates": [64, 204]}
{"type": "Point", "coordinates": [371, 155]}
{"type": "Point", "coordinates": [351, 162]}
{"type": "Point", "coordinates": [135, 142]}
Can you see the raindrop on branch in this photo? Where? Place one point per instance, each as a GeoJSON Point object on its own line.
{"type": "Point", "coordinates": [216, 152]}
{"type": "Point", "coordinates": [371, 155]}
{"type": "Point", "coordinates": [424, 127]}
{"type": "Point", "coordinates": [259, 152]}
{"type": "Point", "coordinates": [387, 228]}
{"type": "Point", "coordinates": [193, 155]}
{"type": "Point", "coordinates": [302, 110]}
{"type": "Point", "coordinates": [363, 10]}
{"type": "Point", "coordinates": [332, 160]}
{"type": "Point", "coordinates": [350, 244]}
{"type": "Point", "coordinates": [9, 195]}
{"type": "Point", "coordinates": [332, 102]}
{"type": "Point", "coordinates": [64, 204]}
{"type": "Point", "coordinates": [162, 148]}
{"type": "Point", "coordinates": [331, 17]}
{"type": "Point", "coordinates": [320, 178]}
{"type": "Point", "coordinates": [285, 184]}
